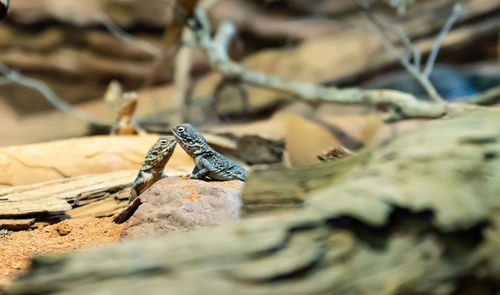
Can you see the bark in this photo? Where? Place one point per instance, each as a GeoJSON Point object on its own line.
{"type": "Point", "coordinates": [60, 195]}
{"type": "Point", "coordinates": [39, 162]}
{"type": "Point", "coordinates": [15, 224]}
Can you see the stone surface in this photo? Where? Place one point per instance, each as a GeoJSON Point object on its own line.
{"type": "Point", "coordinates": [181, 203]}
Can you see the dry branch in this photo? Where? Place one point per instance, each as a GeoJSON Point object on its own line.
{"type": "Point", "coordinates": [119, 33]}
{"type": "Point", "coordinates": [60, 104]}
{"type": "Point", "coordinates": [489, 97]}
{"type": "Point", "coordinates": [412, 62]}
{"type": "Point", "coordinates": [57, 196]}
{"type": "Point", "coordinates": [403, 105]}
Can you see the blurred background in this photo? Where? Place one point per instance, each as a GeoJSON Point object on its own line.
{"type": "Point", "coordinates": [85, 50]}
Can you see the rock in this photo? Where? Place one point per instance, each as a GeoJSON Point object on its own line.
{"type": "Point", "coordinates": [181, 203]}
{"type": "Point", "coordinates": [63, 229]}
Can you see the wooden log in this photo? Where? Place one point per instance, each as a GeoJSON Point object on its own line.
{"type": "Point", "coordinates": [414, 168]}
{"type": "Point", "coordinates": [406, 218]}
{"type": "Point", "coordinates": [16, 224]}
{"type": "Point", "coordinates": [103, 208]}
{"type": "Point", "coordinates": [150, 13]}
{"type": "Point", "coordinates": [60, 195]}
{"type": "Point", "coordinates": [33, 163]}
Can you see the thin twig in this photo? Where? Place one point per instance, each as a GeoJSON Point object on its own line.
{"type": "Point", "coordinates": [12, 76]}
{"type": "Point", "coordinates": [457, 11]}
{"type": "Point", "coordinates": [413, 69]}
{"type": "Point", "coordinates": [489, 97]}
{"type": "Point", "coordinates": [413, 52]}
{"type": "Point", "coordinates": [119, 33]}
{"type": "Point", "coordinates": [402, 105]}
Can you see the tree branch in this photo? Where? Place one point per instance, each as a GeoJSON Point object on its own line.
{"type": "Point", "coordinates": [401, 105]}
{"type": "Point", "coordinates": [119, 33]}
{"type": "Point", "coordinates": [457, 11]}
{"type": "Point", "coordinates": [412, 68]}
{"type": "Point", "coordinates": [11, 76]}
{"type": "Point", "coordinates": [489, 97]}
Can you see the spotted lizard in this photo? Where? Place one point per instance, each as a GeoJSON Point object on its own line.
{"type": "Point", "coordinates": [209, 163]}
{"type": "Point", "coordinates": [152, 168]}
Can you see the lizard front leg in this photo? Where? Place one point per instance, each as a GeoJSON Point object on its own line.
{"type": "Point", "coordinates": [133, 195]}
{"type": "Point", "coordinates": [202, 173]}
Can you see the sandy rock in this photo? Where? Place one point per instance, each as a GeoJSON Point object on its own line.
{"type": "Point", "coordinates": [180, 203]}
{"type": "Point", "coordinates": [63, 229]}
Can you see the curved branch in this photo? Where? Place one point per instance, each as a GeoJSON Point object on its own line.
{"type": "Point", "coordinates": [12, 76]}
{"type": "Point", "coordinates": [402, 105]}
{"type": "Point", "coordinates": [487, 98]}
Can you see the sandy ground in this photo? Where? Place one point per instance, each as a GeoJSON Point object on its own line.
{"type": "Point", "coordinates": [17, 248]}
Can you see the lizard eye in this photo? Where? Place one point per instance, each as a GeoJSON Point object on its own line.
{"type": "Point", "coordinates": [180, 129]}
{"type": "Point", "coordinates": [163, 141]}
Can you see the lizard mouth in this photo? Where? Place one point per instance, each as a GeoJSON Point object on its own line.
{"type": "Point", "coordinates": [176, 134]}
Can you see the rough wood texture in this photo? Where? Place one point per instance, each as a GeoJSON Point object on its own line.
{"type": "Point", "coordinates": [405, 218]}
{"type": "Point", "coordinates": [58, 195]}
{"type": "Point", "coordinates": [127, 13]}
{"type": "Point", "coordinates": [455, 157]}
{"type": "Point", "coordinates": [32, 163]}
{"type": "Point", "coordinates": [103, 208]}
{"type": "Point", "coordinates": [15, 224]}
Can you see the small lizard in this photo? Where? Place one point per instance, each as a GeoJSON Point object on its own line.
{"type": "Point", "coordinates": [208, 162]}
{"type": "Point", "coordinates": [152, 168]}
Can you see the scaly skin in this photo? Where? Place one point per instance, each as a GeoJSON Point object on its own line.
{"type": "Point", "coordinates": [152, 168]}
{"type": "Point", "coordinates": [209, 163]}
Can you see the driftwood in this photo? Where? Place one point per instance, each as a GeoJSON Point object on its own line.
{"type": "Point", "coordinates": [15, 224]}
{"type": "Point", "coordinates": [33, 163]}
{"type": "Point", "coordinates": [398, 171]}
{"type": "Point", "coordinates": [102, 208]}
{"type": "Point", "coordinates": [409, 217]}
{"type": "Point", "coordinates": [60, 195]}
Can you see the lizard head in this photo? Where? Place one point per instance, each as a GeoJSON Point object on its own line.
{"type": "Point", "coordinates": [190, 140]}
{"type": "Point", "coordinates": [161, 150]}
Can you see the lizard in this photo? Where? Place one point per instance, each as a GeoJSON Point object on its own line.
{"type": "Point", "coordinates": [209, 163]}
{"type": "Point", "coordinates": [152, 168]}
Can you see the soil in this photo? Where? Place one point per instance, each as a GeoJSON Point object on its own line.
{"type": "Point", "coordinates": [17, 248]}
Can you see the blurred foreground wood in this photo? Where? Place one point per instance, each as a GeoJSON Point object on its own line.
{"type": "Point", "coordinates": [411, 216]}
